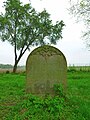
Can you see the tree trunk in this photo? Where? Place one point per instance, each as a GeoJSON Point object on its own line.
{"type": "Point", "coordinates": [18, 59]}
{"type": "Point", "coordinates": [15, 66]}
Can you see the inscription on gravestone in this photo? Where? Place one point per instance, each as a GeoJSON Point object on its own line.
{"type": "Point", "coordinates": [45, 66]}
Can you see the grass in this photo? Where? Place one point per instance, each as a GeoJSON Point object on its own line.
{"type": "Point", "coordinates": [15, 104]}
{"type": "Point", "coordinates": [79, 88]}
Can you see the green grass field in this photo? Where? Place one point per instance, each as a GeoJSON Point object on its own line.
{"type": "Point", "coordinates": [15, 104]}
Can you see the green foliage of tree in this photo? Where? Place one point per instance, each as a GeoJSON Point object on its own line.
{"type": "Point", "coordinates": [23, 27]}
{"type": "Point", "coordinates": [81, 10]}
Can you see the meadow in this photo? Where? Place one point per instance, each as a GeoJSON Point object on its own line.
{"type": "Point", "coordinates": [16, 104]}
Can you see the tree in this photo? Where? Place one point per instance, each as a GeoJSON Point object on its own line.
{"type": "Point", "coordinates": [81, 10]}
{"type": "Point", "coordinates": [23, 27]}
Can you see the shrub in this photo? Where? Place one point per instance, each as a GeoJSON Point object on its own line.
{"type": "Point", "coordinates": [7, 72]}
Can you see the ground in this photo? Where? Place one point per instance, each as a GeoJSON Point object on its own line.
{"type": "Point", "coordinates": [15, 104]}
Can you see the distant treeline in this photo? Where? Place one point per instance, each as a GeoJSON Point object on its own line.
{"type": "Point", "coordinates": [4, 66]}
{"type": "Point", "coordinates": [79, 68]}
{"type": "Point", "coordinates": [9, 66]}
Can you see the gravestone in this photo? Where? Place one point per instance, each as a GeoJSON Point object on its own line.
{"type": "Point", "coordinates": [45, 66]}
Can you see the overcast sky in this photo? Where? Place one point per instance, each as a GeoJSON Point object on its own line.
{"type": "Point", "coordinates": [71, 45]}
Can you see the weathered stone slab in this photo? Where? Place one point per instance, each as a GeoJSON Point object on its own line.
{"type": "Point", "coordinates": [45, 66]}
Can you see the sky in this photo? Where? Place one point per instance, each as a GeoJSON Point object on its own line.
{"type": "Point", "coordinates": [72, 45]}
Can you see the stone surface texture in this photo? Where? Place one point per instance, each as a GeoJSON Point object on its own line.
{"type": "Point", "coordinates": [45, 66]}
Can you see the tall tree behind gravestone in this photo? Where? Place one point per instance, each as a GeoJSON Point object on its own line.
{"type": "Point", "coordinates": [22, 26]}
{"type": "Point", "coordinates": [45, 66]}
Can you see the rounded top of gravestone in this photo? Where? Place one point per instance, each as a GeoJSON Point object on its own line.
{"type": "Point", "coordinates": [47, 51]}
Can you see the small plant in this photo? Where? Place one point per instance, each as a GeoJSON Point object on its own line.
{"type": "Point", "coordinates": [58, 89]}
